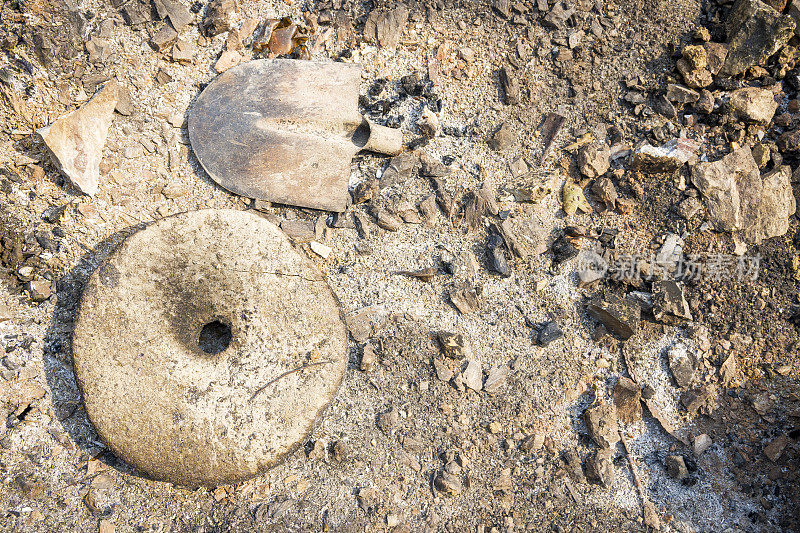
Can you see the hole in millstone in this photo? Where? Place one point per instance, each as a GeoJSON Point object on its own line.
{"type": "Point", "coordinates": [215, 337]}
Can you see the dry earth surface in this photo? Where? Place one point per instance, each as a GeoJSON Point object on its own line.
{"type": "Point", "coordinates": [408, 444]}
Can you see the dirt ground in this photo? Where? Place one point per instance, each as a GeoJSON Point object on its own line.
{"type": "Point", "coordinates": [362, 470]}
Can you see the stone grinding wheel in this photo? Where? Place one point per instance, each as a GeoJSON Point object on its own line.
{"type": "Point", "coordinates": [152, 320]}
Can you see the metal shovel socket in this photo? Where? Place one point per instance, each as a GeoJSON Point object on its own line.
{"type": "Point", "coordinates": [286, 131]}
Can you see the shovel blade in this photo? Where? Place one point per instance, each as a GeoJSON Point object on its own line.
{"type": "Point", "coordinates": [280, 130]}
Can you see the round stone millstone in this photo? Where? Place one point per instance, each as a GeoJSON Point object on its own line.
{"type": "Point", "coordinates": [206, 347]}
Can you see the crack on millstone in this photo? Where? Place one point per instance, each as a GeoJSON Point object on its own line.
{"type": "Point", "coordinates": [288, 372]}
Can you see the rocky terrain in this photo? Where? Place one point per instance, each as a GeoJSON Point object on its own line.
{"type": "Point", "coordinates": [573, 300]}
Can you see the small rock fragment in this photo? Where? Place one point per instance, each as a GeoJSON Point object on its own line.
{"type": "Point", "coordinates": [591, 268]}
{"type": "Point", "coordinates": [388, 420]}
{"type": "Point", "coordinates": [667, 158]}
{"type": "Point", "coordinates": [628, 400]}
{"type": "Point", "coordinates": [386, 220]}
{"type": "Point", "coordinates": [428, 123]}
{"type": "Point", "coordinates": [676, 467]}
{"type": "Point", "coordinates": [524, 236]}
{"type": "Point", "coordinates": [573, 466]}
{"type": "Point", "coordinates": [361, 323]}
{"type": "Point", "coordinates": [503, 138]}
{"type": "Point", "coordinates": [593, 160]}
{"type": "Point", "coordinates": [219, 17]}
{"type": "Point", "coordinates": [532, 443]}
{"type": "Point", "coordinates": [669, 303]}
{"type": "Point", "coordinates": [227, 60]}
{"type": "Point", "coordinates": [601, 421]}
{"type": "Point", "coordinates": [775, 449]}
{"type": "Point", "coordinates": [399, 170]}
{"type": "Point", "coordinates": [689, 207]}
{"type": "Point", "coordinates": [76, 140]}
{"type": "Point", "coordinates": [449, 480]}
{"type": "Point", "coordinates": [369, 357]}
{"type": "Point", "coordinates": [600, 468]}
{"type": "Point", "coordinates": [164, 37]}
{"type": "Point", "coordinates": [425, 274]}
{"type": "Point", "coordinates": [433, 168]}
{"type": "Point", "coordinates": [496, 378]}
{"type": "Point", "coordinates": [443, 372]}
{"type": "Point", "coordinates": [761, 155]}
{"type": "Point", "coordinates": [497, 257]}
{"type": "Point", "coordinates": [729, 370]}
{"type": "Point", "coordinates": [320, 249]}
{"type": "Point", "coordinates": [452, 344]}
{"type": "Point", "coordinates": [510, 86]}
{"type": "Point", "coordinates": [682, 365]}
{"type": "Point", "coordinates": [299, 231]}
{"type": "Point", "coordinates": [754, 104]}
{"type": "Point", "coordinates": [465, 298]}
{"type": "Point", "coordinates": [606, 192]}
{"type": "Point", "coordinates": [702, 443]}
{"type": "Point", "coordinates": [681, 95]}
{"type": "Point", "coordinates": [474, 211]}
{"type": "Point", "coordinates": [177, 13]}
{"type": "Point", "coordinates": [40, 290]}
{"type": "Point", "coordinates": [618, 315]}
{"type": "Point", "coordinates": [549, 332]}
{"type": "Point", "coordinates": [473, 375]}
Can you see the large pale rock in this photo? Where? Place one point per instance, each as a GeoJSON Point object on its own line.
{"type": "Point", "coordinates": [76, 140]}
{"type": "Point", "coordinates": [206, 347]}
{"type": "Point", "coordinates": [738, 200]}
{"type": "Point", "coordinates": [777, 205]}
{"type": "Point", "coordinates": [730, 188]}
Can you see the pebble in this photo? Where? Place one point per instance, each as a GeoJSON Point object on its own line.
{"type": "Point", "coordinates": [449, 480]}
{"type": "Point", "coordinates": [532, 443]}
{"type": "Point", "coordinates": [320, 249]}
{"type": "Point", "coordinates": [702, 443]}
{"type": "Point", "coordinates": [443, 372]}
{"type": "Point", "coordinates": [775, 449]}
{"type": "Point", "coordinates": [682, 365]}
{"type": "Point", "coordinates": [428, 123]}
{"type": "Point", "coordinates": [369, 358]}
{"type": "Point", "coordinates": [502, 138]}
{"type": "Point", "coordinates": [496, 378]}
{"type": "Point", "coordinates": [40, 290]}
{"type": "Point", "coordinates": [549, 332]}
{"type": "Point", "coordinates": [465, 298]}
{"type": "Point", "coordinates": [388, 420]}
{"type": "Point", "coordinates": [227, 60]}
{"type": "Point", "coordinates": [473, 375]}
{"type": "Point", "coordinates": [497, 257]}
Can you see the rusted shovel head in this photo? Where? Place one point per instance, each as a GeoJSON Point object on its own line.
{"type": "Point", "coordinates": [282, 130]}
